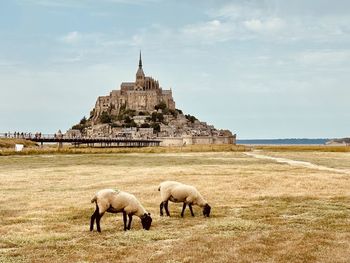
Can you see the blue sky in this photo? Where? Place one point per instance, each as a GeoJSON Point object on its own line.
{"type": "Point", "coordinates": [261, 68]}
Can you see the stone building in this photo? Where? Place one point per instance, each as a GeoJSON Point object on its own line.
{"type": "Point", "coordinates": [142, 95]}
{"type": "Point", "coordinates": [143, 109]}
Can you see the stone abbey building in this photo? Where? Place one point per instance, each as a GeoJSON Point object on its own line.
{"type": "Point", "coordinates": [142, 95]}
{"type": "Point", "coordinates": [143, 109]}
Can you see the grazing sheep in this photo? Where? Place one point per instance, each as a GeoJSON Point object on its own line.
{"type": "Point", "coordinates": [114, 201]}
{"type": "Point", "coordinates": [178, 192]}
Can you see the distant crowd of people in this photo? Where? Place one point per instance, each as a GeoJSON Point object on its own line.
{"type": "Point", "coordinates": [22, 135]}
{"type": "Point", "coordinates": [29, 135]}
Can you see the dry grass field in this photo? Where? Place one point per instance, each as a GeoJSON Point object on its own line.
{"type": "Point", "coordinates": [262, 210]}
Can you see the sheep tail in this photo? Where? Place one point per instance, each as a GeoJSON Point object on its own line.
{"type": "Point", "coordinates": [94, 199]}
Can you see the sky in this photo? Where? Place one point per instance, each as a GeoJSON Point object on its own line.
{"type": "Point", "coordinates": [261, 68]}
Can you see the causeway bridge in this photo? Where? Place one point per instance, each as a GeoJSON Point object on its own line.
{"type": "Point", "coordinates": [60, 139]}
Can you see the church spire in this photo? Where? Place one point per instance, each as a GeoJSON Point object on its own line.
{"type": "Point", "coordinates": [140, 76]}
{"type": "Point", "coordinates": [140, 61]}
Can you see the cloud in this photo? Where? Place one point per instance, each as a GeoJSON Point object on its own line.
{"type": "Point", "coordinates": [270, 25]}
{"type": "Point", "coordinates": [286, 21]}
{"type": "Point", "coordinates": [241, 10]}
{"type": "Point", "coordinates": [52, 3]}
{"type": "Point", "coordinates": [81, 4]}
{"type": "Point", "coordinates": [212, 31]}
{"type": "Point", "coordinates": [71, 37]}
{"type": "Point", "coordinates": [324, 58]}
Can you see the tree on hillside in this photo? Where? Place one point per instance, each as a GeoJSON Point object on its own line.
{"type": "Point", "coordinates": [154, 116]}
{"type": "Point", "coordinates": [161, 105]}
{"type": "Point", "coordinates": [83, 121]}
{"type": "Point", "coordinates": [105, 117]}
{"type": "Point", "coordinates": [156, 127]}
{"type": "Point", "coordinates": [190, 118]}
{"type": "Point", "coordinates": [179, 111]}
{"type": "Point", "coordinates": [160, 117]}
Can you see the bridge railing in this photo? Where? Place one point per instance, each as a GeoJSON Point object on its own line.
{"type": "Point", "coordinates": [26, 135]}
{"type": "Point", "coordinates": [38, 136]}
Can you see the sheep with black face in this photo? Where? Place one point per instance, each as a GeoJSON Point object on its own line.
{"type": "Point", "coordinates": [181, 193]}
{"type": "Point", "coordinates": [114, 201]}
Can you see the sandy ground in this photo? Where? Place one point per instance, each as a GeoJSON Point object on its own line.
{"type": "Point", "coordinates": [260, 155]}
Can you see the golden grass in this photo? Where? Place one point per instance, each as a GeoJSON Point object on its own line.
{"type": "Point", "coordinates": [302, 148]}
{"type": "Point", "coordinates": [53, 149]}
{"type": "Point", "coordinates": [10, 143]}
{"type": "Point", "coordinates": [262, 211]}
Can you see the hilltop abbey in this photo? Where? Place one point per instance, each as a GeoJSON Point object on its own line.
{"type": "Point", "coordinates": [143, 109]}
{"type": "Point", "coordinates": [142, 95]}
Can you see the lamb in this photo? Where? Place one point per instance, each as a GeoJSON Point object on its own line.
{"type": "Point", "coordinates": [115, 201]}
{"type": "Point", "coordinates": [178, 192]}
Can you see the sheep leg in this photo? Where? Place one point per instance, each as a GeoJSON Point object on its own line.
{"type": "Point", "coordinates": [130, 219]}
{"type": "Point", "coordinates": [161, 208]}
{"type": "Point", "coordinates": [124, 220]}
{"type": "Point", "coordinates": [190, 206]}
{"type": "Point", "coordinates": [93, 217]}
{"type": "Point", "coordinates": [183, 210]}
{"type": "Point", "coordinates": [98, 218]}
{"type": "Point", "coordinates": [166, 208]}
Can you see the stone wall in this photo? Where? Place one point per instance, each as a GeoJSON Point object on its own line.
{"type": "Point", "coordinates": [190, 140]}
{"type": "Point", "coordinates": [171, 141]}
{"type": "Point", "coordinates": [202, 139]}
{"type": "Point", "coordinates": [138, 100]}
{"type": "Point", "coordinates": [142, 100]}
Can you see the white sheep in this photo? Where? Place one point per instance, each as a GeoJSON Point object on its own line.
{"type": "Point", "coordinates": [177, 192]}
{"type": "Point", "coordinates": [115, 201]}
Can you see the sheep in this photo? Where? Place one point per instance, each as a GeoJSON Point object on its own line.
{"type": "Point", "coordinates": [115, 201]}
{"type": "Point", "coordinates": [177, 192]}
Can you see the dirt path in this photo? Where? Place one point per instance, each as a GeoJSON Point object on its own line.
{"type": "Point", "coordinates": [258, 155]}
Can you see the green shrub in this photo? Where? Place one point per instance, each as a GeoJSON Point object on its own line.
{"type": "Point", "coordinates": [161, 105]}
{"type": "Point", "coordinates": [156, 127]}
{"type": "Point", "coordinates": [83, 121]}
{"type": "Point", "coordinates": [173, 112]}
{"type": "Point", "coordinates": [190, 118]}
{"type": "Point", "coordinates": [160, 117]}
{"type": "Point", "coordinates": [105, 117]}
{"type": "Point", "coordinates": [154, 116]}
{"type": "Point", "coordinates": [127, 119]}
{"type": "Point", "coordinates": [179, 111]}
{"type": "Point", "coordinates": [79, 127]}
{"type": "Point", "coordinates": [130, 124]}
{"type": "Point", "coordinates": [145, 125]}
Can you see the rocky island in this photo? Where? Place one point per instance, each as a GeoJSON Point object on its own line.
{"type": "Point", "coordinates": [143, 109]}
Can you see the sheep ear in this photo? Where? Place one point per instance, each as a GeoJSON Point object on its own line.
{"type": "Point", "coordinates": [149, 214]}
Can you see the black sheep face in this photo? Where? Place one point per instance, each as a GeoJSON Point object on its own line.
{"type": "Point", "coordinates": [206, 210]}
{"type": "Point", "coordinates": [146, 221]}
